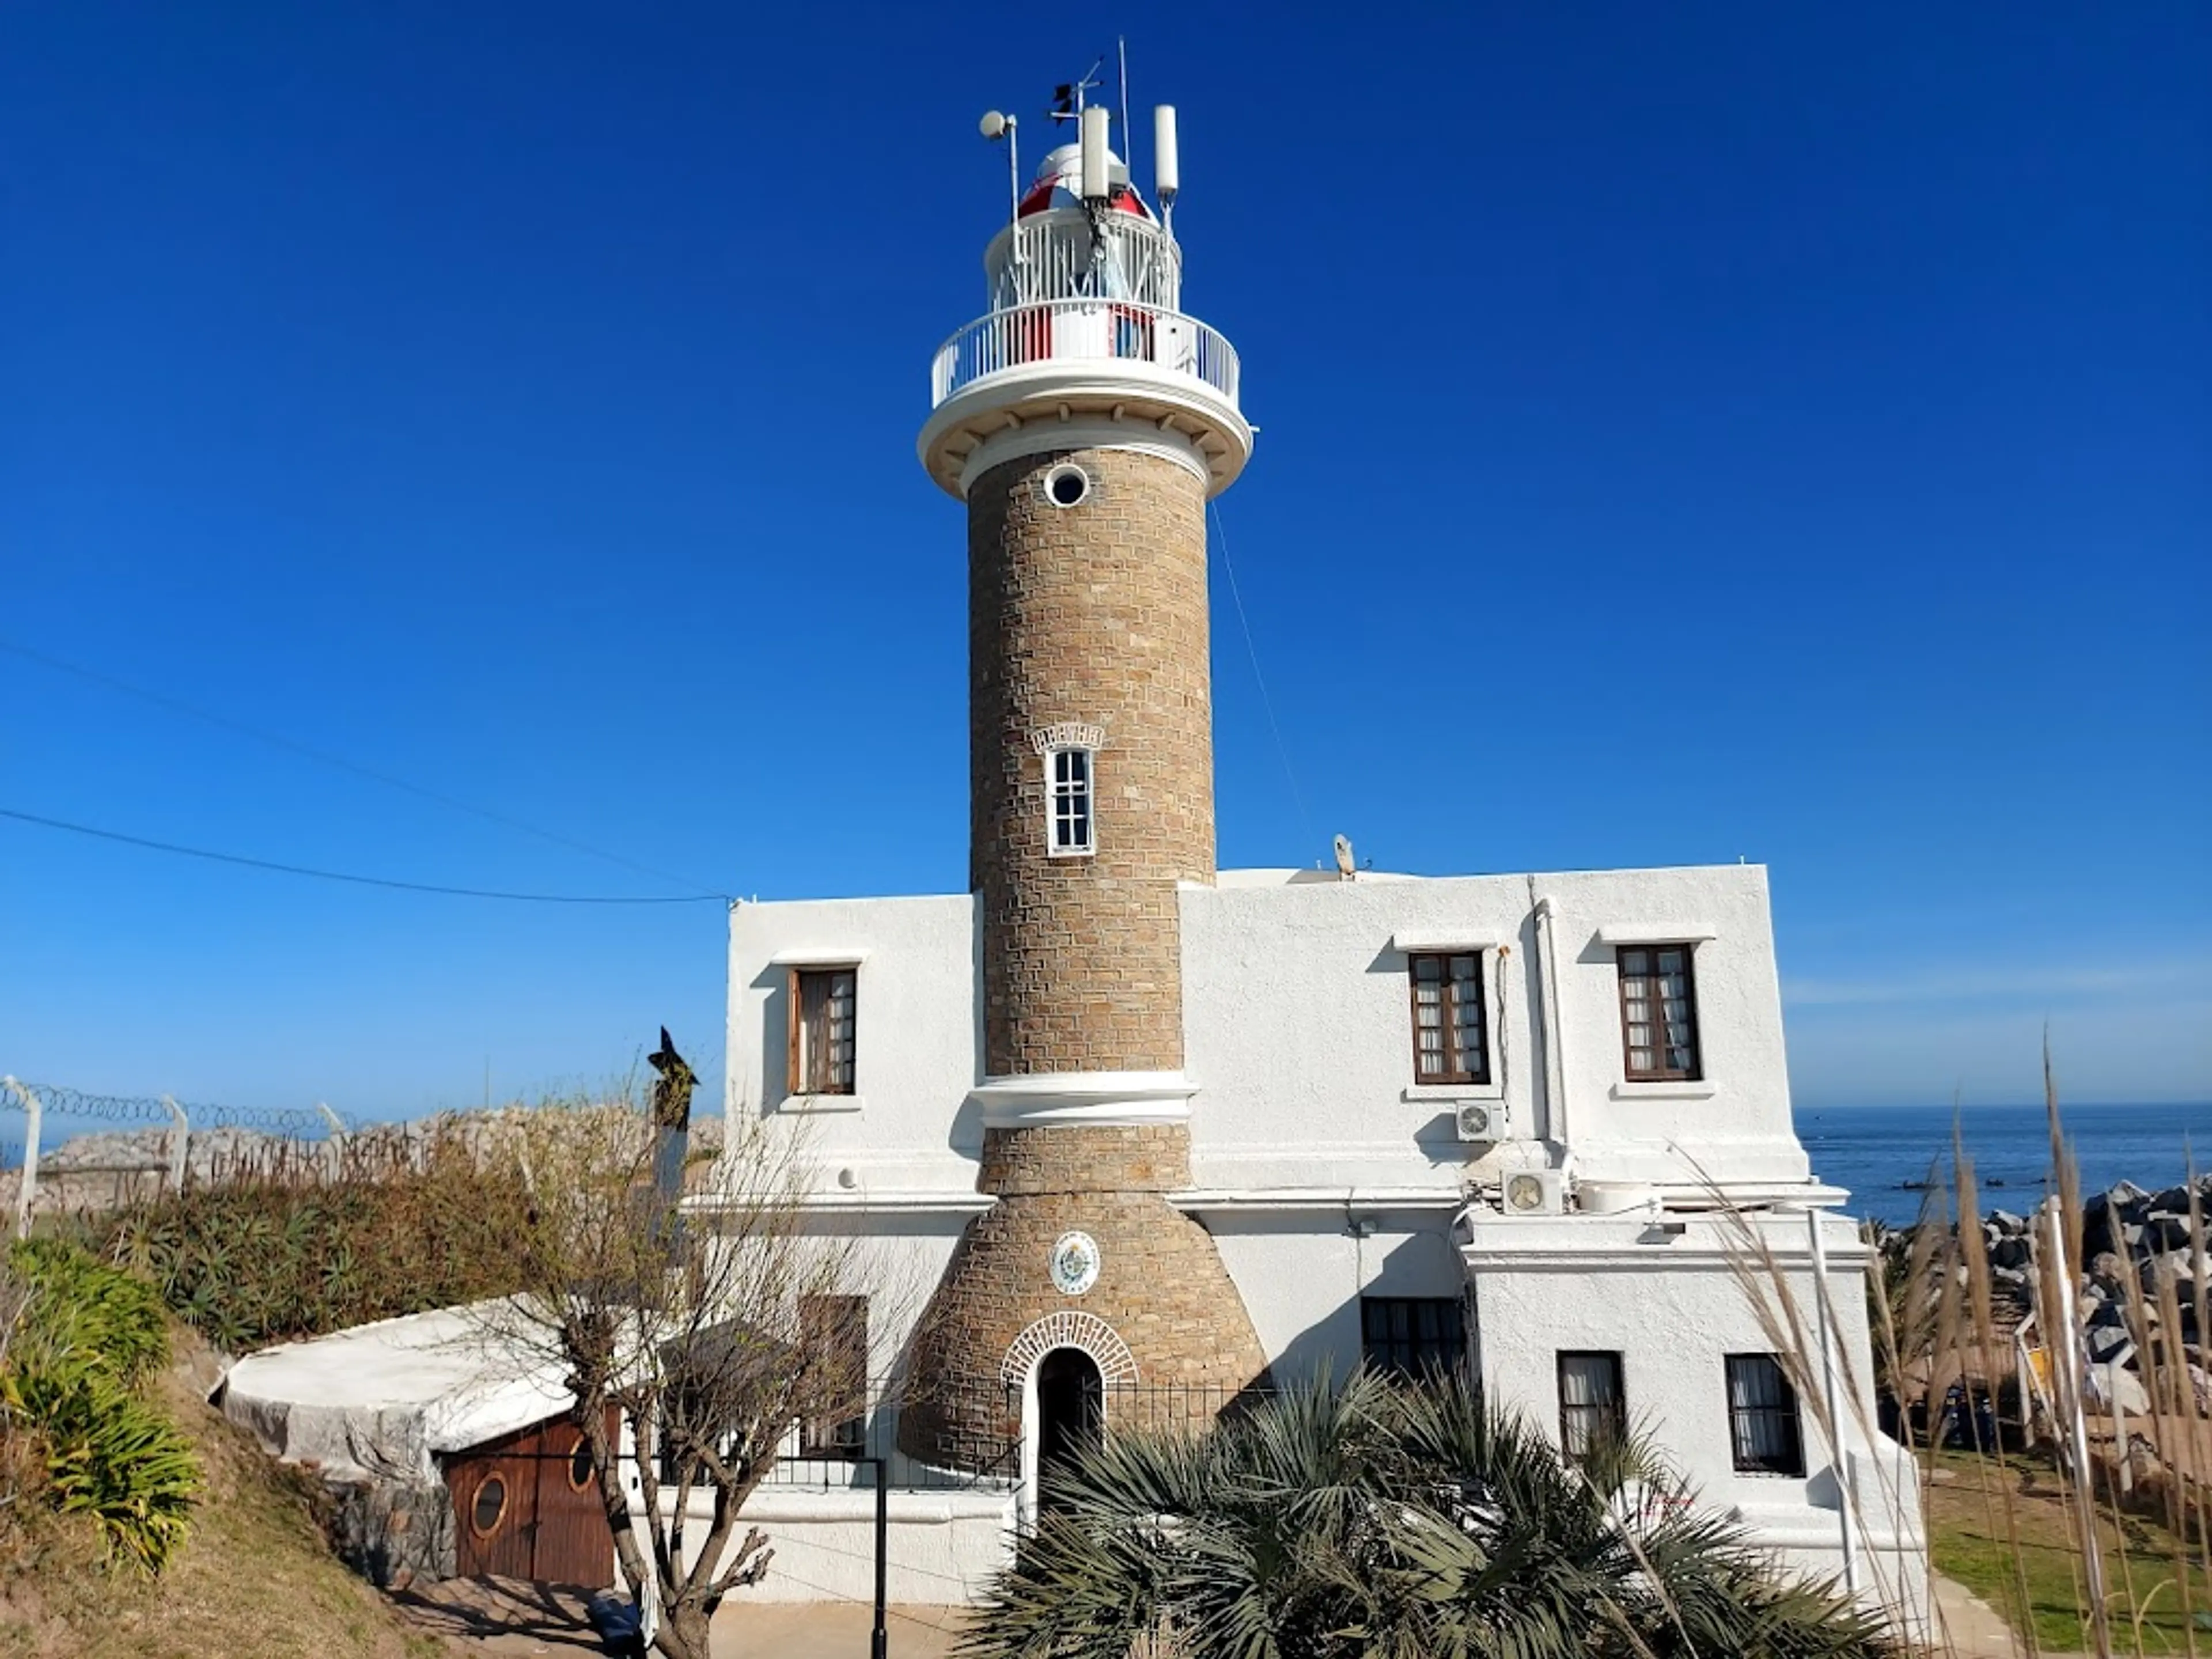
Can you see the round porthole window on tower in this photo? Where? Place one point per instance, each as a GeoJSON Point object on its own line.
{"type": "Point", "coordinates": [1068, 485]}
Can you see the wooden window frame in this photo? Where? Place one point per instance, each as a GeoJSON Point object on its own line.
{"type": "Point", "coordinates": [1479, 1074]}
{"type": "Point", "coordinates": [1695, 1072]}
{"type": "Point", "coordinates": [1447, 1348]}
{"type": "Point", "coordinates": [797, 1081]}
{"type": "Point", "coordinates": [1791, 1465]}
{"type": "Point", "coordinates": [1602, 1419]}
{"type": "Point", "coordinates": [824, 1318]}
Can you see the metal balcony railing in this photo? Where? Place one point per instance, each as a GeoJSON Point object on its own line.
{"type": "Point", "coordinates": [1080, 330]}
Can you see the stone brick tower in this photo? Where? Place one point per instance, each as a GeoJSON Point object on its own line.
{"type": "Point", "coordinates": [1085, 420]}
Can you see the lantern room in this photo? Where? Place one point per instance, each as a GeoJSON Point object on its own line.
{"type": "Point", "coordinates": [1085, 327]}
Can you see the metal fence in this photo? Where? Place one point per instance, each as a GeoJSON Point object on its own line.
{"type": "Point", "coordinates": [842, 1451]}
{"type": "Point", "coordinates": [81, 1150]}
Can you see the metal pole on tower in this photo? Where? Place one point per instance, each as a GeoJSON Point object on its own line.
{"type": "Point", "coordinates": [1128, 134]}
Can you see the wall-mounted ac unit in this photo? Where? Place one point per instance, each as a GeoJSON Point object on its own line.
{"type": "Point", "coordinates": [1481, 1121]}
{"type": "Point", "coordinates": [1536, 1192]}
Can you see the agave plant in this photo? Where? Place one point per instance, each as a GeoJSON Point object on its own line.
{"type": "Point", "coordinates": [1399, 1521]}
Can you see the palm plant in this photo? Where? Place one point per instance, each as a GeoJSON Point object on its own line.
{"type": "Point", "coordinates": [1392, 1520]}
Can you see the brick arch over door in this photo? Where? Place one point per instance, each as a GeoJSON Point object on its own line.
{"type": "Point", "coordinates": [1069, 1329]}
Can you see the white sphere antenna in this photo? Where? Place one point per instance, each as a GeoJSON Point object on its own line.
{"type": "Point", "coordinates": [997, 124]}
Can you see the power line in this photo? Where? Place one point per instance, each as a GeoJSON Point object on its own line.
{"type": "Point", "coordinates": [241, 859]}
{"type": "Point", "coordinates": [1282, 749]}
{"type": "Point", "coordinates": [323, 757]}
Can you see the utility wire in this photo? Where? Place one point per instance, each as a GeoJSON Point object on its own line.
{"type": "Point", "coordinates": [323, 757]}
{"type": "Point", "coordinates": [339, 875]}
{"type": "Point", "coordinates": [1282, 749]}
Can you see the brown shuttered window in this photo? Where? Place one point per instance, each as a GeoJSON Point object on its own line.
{"type": "Point", "coordinates": [823, 1005]}
{"type": "Point", "coordinates": [833, 1334]}
{"type": "Point", "coordinates": [1658, 1015]}
{"type": "Point", "coordinates": [1450, 1044]}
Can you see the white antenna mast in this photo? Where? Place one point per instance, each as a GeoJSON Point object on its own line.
{"type": "Point", "coordinates": [1167, 180]}
{"type": "Point", "coordinates": [1129, 133]}
{"type": "Point", "coordinates": [995, 126]}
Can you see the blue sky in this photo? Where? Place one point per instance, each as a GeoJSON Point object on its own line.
{"type": "Point", "coordinates": [1689, 433]}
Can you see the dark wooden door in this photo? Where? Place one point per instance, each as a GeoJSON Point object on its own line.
{"type": "Point", "coordinates": [527, 1505]}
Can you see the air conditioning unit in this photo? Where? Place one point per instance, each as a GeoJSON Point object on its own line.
{"type": "Point", "coordinates": [1536, 1192]}
{"type": "Point", "coordinates": [1481, 1121]}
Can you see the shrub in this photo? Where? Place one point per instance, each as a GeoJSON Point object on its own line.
{"type": "Point", "coordinates": [112, 1319]}
{"type": "Point", "coordinates": [109, 1455]}
{"type": "Point", "coordinates": [259, 1260]}
{"type": "Point", "coordinates": [88, 1336]}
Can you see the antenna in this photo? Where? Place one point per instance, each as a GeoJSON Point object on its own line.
{"type": "Point", "coordinates": [1166, 181]}
{"type": "Point", "coordinates": [995, 126]}
{"type": "Point", "coordinates": [1129, 133]}
{"type": "Point", "coordinates": [1067, 101]}
{"type": "Point", "coordinates": [1096, 182]}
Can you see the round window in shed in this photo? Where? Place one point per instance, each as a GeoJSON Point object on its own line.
{"type": "Point", "coordinates": [580, 1465]}
{"type": "Point", "coordinates": [1066, 485]}
{"type": "Point", "coordinates": [489, 1507]}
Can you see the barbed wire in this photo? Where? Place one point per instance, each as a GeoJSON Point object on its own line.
{"type": "Point", "coordinates": [59, 1101]}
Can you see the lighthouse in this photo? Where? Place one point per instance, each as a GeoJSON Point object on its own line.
{"type": "Point", "coordinates": [1086, 419]}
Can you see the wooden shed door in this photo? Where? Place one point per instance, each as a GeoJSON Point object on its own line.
{"type": "Point", "coordinates": [527, 1505]}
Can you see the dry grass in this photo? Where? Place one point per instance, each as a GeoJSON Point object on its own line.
{"type": "Point", "coordinates": [254, 1575]}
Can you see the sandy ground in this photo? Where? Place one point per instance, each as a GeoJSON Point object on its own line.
{"type": "Point", "coordinates": [502, 1616]}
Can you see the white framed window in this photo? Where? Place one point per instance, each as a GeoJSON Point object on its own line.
{"type": "Point", "coordinates": [1069, 824]}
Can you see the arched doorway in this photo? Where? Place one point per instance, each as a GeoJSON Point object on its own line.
{"type": "Point", "coordinates": [1071, 1415]}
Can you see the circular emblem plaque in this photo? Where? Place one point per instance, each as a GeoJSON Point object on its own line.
{"type": "Point", "coordinates": [1074, 1263]}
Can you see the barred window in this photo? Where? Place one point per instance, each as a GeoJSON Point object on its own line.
{"type": "Point", "coordinates": [823, 1005]}
{"type": "Point", "coordinates": [1763, 1416]}
{"type": "Point", "coordinates": [1658, 1015]}
{"type": "Point", "coordinates": [833, 1339]}
{"type": "Point", "coordinates": [1593, 1405]}
{"type": "Point", "coordinates": [1410, 1335]}
{"type": "Point", "coordinates": [1450, 1044]}
{"type": "Point", "coordinates": [1068, 778]}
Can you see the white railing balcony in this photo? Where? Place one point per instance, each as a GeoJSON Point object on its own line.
{"type": "Point", "coordinates": [1099, 331]}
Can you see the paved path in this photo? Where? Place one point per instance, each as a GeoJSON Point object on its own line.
{"type": "Point", "coordinates": [509, 1618]}
{"type": "Point", "coordinates": [1972, 1629]}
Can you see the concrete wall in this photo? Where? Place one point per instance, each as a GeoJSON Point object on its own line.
{"type": "Point", "coordinates": [942, 1546]}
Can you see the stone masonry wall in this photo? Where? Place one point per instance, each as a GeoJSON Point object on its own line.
{"type": "Point", "coordinates": [1162, 1289]}
{"type": "Point", "coordinates": [1154, 1159]}
{"type": "Point", "coordinates": [1097, 614]}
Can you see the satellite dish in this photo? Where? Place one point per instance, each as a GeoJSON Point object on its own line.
{"type": "Point", "coordinates": [993, 124]}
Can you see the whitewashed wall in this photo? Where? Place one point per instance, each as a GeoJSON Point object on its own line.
{"type": "Point", "coordinates": [907, 1127]}
{"type": "Point", "coordinates": [1297, 1033]}
{"type": "Point", "coordinates": [1674, 1307]}
{"type": "Point", "coordinates": [1294, 1004]}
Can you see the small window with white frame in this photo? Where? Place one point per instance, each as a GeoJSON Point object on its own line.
{"type": "Point", "coordinates": [1068, 790]}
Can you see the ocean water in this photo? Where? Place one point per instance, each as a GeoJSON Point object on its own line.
{"type": "Point", "coordinates": [1876, 1150]}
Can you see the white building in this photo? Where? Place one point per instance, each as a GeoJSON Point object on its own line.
{"type": "Point", "coordinates": [1157, 1130]}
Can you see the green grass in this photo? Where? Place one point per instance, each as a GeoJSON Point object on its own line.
{"type": "Point", "coordinates": [1967, 1541]}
